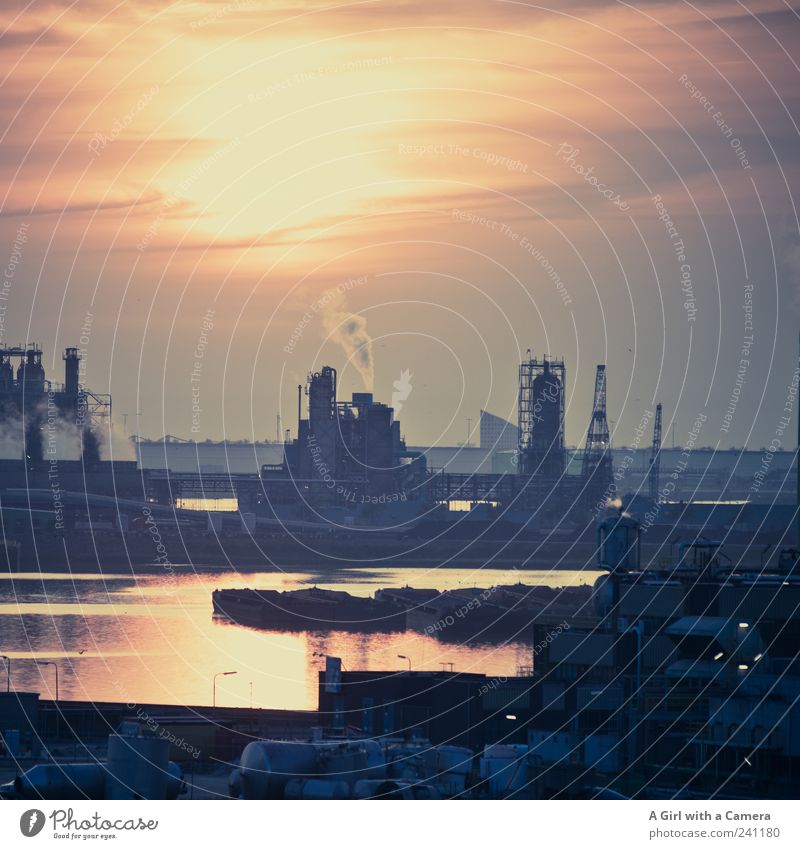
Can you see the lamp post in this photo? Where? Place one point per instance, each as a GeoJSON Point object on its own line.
{"type": "Point", "coordinates": [214, 686]}
{"type": "Point", "coordinates": [403, 657]}
{"type": "Point", "coordinates": [7, 661]}
{"type": "Point", "coordinates": [53, 664]}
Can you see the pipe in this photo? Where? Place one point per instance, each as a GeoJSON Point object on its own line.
{"type": "Point", "coordinates": [299, 407]}
{"type": "Point", "coordinates": [62, 781]}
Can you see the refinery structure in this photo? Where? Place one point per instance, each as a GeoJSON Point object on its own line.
{"type": "Point", "coordinates": [350, 463]}
{"type": "Point", "coordinates": [649, 682]}
{"type": "Point", "coordinates": [348, 469]}
{"type": "Point", "coordinates": [33, 407]}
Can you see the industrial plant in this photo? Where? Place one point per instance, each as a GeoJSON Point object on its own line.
{"type": "Point", "coordinates": [664, 662]}
{"type": "Point", "coordinates": [349, 480]}
{"type": "Point", "coordinates": [34, 411]}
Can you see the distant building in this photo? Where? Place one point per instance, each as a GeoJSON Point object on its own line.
{"type": "Point", "coordinates": [497, 434]}
{"type": "Point", "coordinates": [452, 708]}
{"type": "Point", "coordinates": [703, 474]}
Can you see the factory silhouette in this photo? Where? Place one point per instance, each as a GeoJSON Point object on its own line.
{"type": "Point", "coordinates": [35, 411]}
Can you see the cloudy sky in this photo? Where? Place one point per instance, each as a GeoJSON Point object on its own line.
{"type": "Point", "coordinates": [213, 199]}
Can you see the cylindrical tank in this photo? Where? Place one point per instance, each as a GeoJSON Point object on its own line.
{"type": "Point", "coordinates": [343, 762]}
{"type": "Point", "coordinates": [603, 596]}
{"type": "Point", "coordinates": [504, 769]}
{"type": "Point", "coordinates": [376, 759]}
{"type": "Point", "coordinates": [62, 781]}
{"type": "Point", "coordinates": [267, 766]}
{"type": "Point", "coordinates": [316, 788]}
{"type": "Point", "coordinates": [138, 767]}
{"type": "Point", "coordinates": [618, 543]}
{"type": "Point", "coordinates": [546, 396]}
{"type": "Point", "coordinates": [453, 766]}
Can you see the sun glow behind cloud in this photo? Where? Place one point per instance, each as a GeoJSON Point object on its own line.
{"type": "Point", "coordinates": [254, 154]}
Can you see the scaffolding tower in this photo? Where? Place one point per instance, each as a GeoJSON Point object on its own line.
{"type": "Point", "coordinates": [541, 416]}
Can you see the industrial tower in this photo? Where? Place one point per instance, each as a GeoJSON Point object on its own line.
{"type": "Point", "coordinates": [655, 456]}
{"type": "Point", "coordinates": [597, 457]}
{"type": "Point", "coordinates": [541, 416]}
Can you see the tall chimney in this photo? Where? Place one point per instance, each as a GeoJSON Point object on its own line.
{"type": "Point", "coordinates": [71, 371]}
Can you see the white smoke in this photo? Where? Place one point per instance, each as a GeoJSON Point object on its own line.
{"type": "Point", "coordinates": [11, 435]}
{"type": "Point", "coordinates": [350, 331]}
{"type": "Point", "coordinates": [60, 439]}
{"type": "Point", "coordinates": [119, 446]}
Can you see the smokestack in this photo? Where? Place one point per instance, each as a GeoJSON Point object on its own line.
{"type": "Point", "coordinates": [71, 371]}
{"type": "Point", "coordinates": [299, 407]}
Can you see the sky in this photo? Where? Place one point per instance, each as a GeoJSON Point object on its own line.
{"type": "Point", "coordinates": [214, 199]}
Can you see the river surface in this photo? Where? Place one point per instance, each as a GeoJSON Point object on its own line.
{"type": "Point", "coordinates": [152, 638]}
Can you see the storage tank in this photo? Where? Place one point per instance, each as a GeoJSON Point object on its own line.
{"type": "Point", "coordinates": [267, 766]}
{"type": "Point", "coordinates": [352, 761]}
{"type": "Point", "coordinates": [504, 769]}
{"type": "Point", "coordinates": [62, 781]}
{"type": "Point", "coordinates": [603, 596]}
{"type": "Point", "coordinates": [547, 391]}
{"type": "Point", "coordinates": [618, 541]}
{"type": "Point", "coordinates": [138, 767]}
{"type": "Point", "coordinates": [453, 767]}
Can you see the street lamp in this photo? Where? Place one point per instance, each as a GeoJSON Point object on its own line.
{"type": "Point", "coordinates": [214, 686]}
{"type": "Point", "coordinates": [50, 663]}
{"type": "Point", "coordinates": [7, 660]}
{"type": "Point", "coordinates": [403, 657]}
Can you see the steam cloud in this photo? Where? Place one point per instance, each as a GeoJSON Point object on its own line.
{"type": "Point", "coordinates": [350, 331]}
{"type": "Point", "coordinates": [44, 435]}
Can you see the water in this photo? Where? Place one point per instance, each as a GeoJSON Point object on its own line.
{"type": "Point", "coordinates": [152, 638]}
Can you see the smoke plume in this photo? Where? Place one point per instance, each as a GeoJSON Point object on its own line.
{"type": "Point", "coordinates": [350, 331]}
